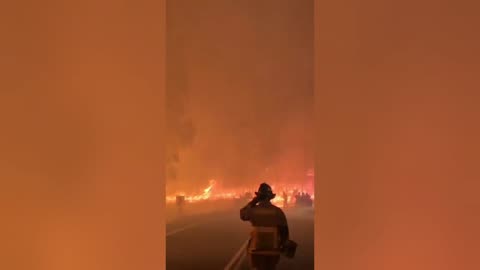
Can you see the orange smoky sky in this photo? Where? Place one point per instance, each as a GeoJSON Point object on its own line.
{"type": "Point", "coordinates": [245, 72]}
{"type": "Point", "coordinates": [81, 160]}
{"type": "Point", "coordinates": [397, 109]}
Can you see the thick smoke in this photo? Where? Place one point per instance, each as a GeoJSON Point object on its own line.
{"type": "Point", "coordinates": [180, 127]}
{"type": "Point", "coordinates": [248, 66]}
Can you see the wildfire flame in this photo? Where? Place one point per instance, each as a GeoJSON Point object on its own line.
{"type": "Point", "coordinates": [208, 190]}
{"type": "Point", "coordinates": [212, 193]}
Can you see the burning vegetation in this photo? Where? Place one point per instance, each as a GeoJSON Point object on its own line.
{"type": "Point", "coordinates": [286, 194]}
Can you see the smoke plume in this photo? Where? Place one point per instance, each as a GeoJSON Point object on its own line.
{"type": "Point", "coordinates": [242, 72]}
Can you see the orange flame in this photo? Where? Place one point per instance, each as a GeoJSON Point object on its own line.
{"type": "Point", "coordinates": [212, 193]}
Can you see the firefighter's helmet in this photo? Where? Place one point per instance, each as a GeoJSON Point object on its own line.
{"type": "Point", "coordinates": [265, 191]}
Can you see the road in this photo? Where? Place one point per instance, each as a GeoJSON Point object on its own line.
{"type": "Point", "coordinates": [212, 241]}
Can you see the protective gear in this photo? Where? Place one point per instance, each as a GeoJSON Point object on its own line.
{"type": "Point", "coordinates": [270, 229]}
{"type": "Point", "coordinates": [265, 192]}
{"type": "Point", "coordinates": [264, 241]}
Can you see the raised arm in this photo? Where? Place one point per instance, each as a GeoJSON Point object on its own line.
{"type": "Point", "coordinates": [245, 211]}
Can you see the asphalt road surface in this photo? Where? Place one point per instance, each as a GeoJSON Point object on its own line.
{"type": "Point", "coordinates": [215, 241]}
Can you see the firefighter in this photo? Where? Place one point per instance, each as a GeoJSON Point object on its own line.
{"type": "Point", "coordinates": [265, 217]}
